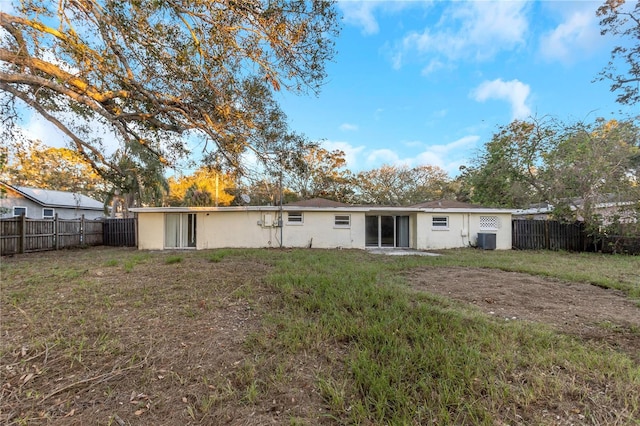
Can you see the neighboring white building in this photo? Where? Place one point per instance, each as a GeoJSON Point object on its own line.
{"type": "Point", "coordinates": [37, 203]}
{"type": "Point", "coordinates": [322, 223]}
{"type": "Point", "coordinates": [609, 211]}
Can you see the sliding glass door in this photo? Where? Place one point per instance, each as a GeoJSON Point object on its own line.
{"type": "Point", "coordinates": [180, 230]}
{"type": "Point", "coordinates": [387, 231]}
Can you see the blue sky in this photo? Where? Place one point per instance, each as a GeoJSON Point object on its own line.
{"type": "Point", "coordinates": [420, 82]}
{"type": "Point", "coordinates": [430, 82]}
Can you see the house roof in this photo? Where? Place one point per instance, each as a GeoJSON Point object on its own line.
{"type": "Point", "coordinates": [321, 204]}
{"type": "Point", "coordinates": [317, 202]}
{"type": "Point", "coordinates": [447, 204]}
{"type": "Point", "coordinates": [51, 198]}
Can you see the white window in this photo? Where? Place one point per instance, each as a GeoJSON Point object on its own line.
{"type": "Point", "coordinates": [342, 221]}
{"type": "Point", "coordinates": [440, 222]}
{"type": "Point", "coordinates": [19, 211]}
{"type": "Point", "coordinates": [489, 223]}
{"type": "Point", "coordinates": [48, 213]}
{"type": "Point", "coordinates": [294, 218]}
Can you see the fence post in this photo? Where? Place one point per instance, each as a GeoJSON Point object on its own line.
{"type": "Point", "coordinates": [23, 233]}
{"type": "Point", "coordinates": [547, 245]}
{"type": "Point", "coordinates": [82, 230]}
{"type": "Point", "coordinates": [56, 236]}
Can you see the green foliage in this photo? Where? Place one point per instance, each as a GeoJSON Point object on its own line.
{"type": "Point", "coordinates": [620, 19]}
{"type": "Point", "coordinates": [159, 76]}
{"type": "Point", "coordinates": [578, 168]}
{"type": "Point", "coordinates": [505, 174]}
{"type": "Point", "coordinates": [321, 173]}
{"type": "Point", "coordinates": [592, 165]}
{"type": "Point", "coordinates": [170, 260]}
{"type": "Point", "coordinates": [402, 186]}
{"type": "Point", "coordinates": [36, 165]}
{"type": "Point", "coordinates": [205, 187]}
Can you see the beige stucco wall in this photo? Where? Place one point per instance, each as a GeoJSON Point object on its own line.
{"type": "Point", "coordinates": [462, 231]}
{"type": "Point", "coordinates": [150, 231]}
{"type": "Point", "coordinates": [246, 228]}
{"type": "Point", "coordinates": [220, 229]}
{"type": "Point", "coordinates": [318, 230]}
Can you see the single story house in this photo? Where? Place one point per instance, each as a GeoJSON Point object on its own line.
{"type": "Point", "coordinates": [322, 223]}
{"type": "Point", "coordinates": [37, 203]}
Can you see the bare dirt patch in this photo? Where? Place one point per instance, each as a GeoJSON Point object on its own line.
{"type": "Point", "coordinates": [115, 337]}
{"type": "Point", "coordinates": [589, 312]}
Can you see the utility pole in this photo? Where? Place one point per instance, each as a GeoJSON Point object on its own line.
{"type": "Point", "coordinates": [281, 218]}
{"type": "Point", "coordinates": [216, 189]}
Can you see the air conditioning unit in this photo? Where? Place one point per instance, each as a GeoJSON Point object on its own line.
{"type": "Point", "coordinates": [486, 241]}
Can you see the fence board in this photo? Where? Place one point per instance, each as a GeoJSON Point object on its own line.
{"type": "Point", "coordinates": [119, 232]}
{"type": "Point", "coordinates": [93, 233]}
{"type": "Point", "coordinates": [10, 232]}
{"type": "Point", "coordinates": [548, 235]}
{"type": "Point", "coordinates": [22, 235]}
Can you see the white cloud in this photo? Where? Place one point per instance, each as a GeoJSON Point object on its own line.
{"type": "Point", "coordinates": [360, 14]}
{"type": "Point", "coordinates": [348, 127]}
{"type": "Point", "coordinates": [6, 6]}
{"type": "Point", "coordinates": [40, 129]}
{"type": "Point", "coordinates": [572, 39]}
{"type": "Point", "coordinates": [448, 157]}
{"type": "Point", "coordinates": [379, 157]}
{"type": "Point", "coordinates": [351, 153]}
{"type": "Point", "coordinates": [35, 127]}
{"type": "Point", "coordinates": [514, 92]}
{"type": "Point", "coordinates": [433, 66]}
{"type": "Point", "coordinates": [476, 30]}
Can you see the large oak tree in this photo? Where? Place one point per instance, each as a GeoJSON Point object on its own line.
{"type": "Point", "coordinates": [401, 185]}
{"type": "Point", "coordinates": [159, 73]}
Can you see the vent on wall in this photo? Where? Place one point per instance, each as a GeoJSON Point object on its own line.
{"type": "Point", "coordinates": [486, 241]}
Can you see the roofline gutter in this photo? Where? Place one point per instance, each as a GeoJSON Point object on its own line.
{"type": "Point", "coordinates": [358, 209]}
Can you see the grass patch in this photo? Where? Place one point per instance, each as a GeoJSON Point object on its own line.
{"type": "Point", "coordinates": [170, 260]}
{"type": "Point", "coordinates": [301, 336]}
{"type": "Point", "coordinates": [216, 256]}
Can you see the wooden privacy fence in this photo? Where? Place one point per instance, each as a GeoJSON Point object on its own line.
{"type": "Point", "coordinates": [554, 235]}
{"type": "Point", "coordinates": [119, 232]}
{"type": "Point", "coordinates": [548, 235]}
{"type": "Point", "coordinates": [22, 235]}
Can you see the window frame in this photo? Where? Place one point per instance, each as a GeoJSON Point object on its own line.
{"type": "Point", "coordinates": [342, 221]}
{"type": "Point", "coordinates": [53, 213]}
{"type": "Point", "coordinates": [19, 207]}
{"type": "Point", "coordinates": [440, 223]}
{"type": "Point", "coordinates": [298, 218]}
